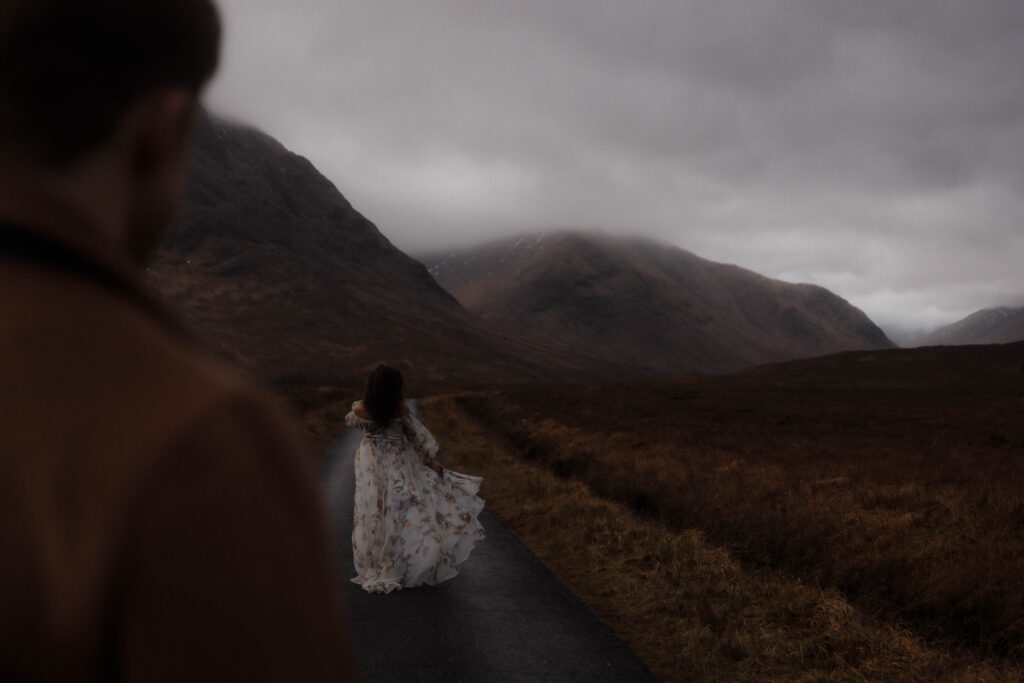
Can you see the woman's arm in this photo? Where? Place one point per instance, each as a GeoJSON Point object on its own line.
{"type": "Point", "coordinates": [355, 417]}
{"type": "Point", "coordinates": [422, 441]}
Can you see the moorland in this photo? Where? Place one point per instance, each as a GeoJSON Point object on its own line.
{"type": "Point", "coordinates": [853, 516]}
{"type": "Point", "coordinates": [850, 516]}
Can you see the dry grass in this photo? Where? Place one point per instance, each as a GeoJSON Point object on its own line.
{"type": "Point", "coordinates": [320, 413]}
{"type": "Point", "coordinates": [854, 517]}
{"type": "Point", "coordinates": [689, 609]}
{"type": "Point", "coordinates": [895, 478]}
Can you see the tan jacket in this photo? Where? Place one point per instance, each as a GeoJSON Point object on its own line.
{"type": "Point", "coordinates": [156, 520]}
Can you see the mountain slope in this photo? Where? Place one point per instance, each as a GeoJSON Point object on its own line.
{"type": "Point", "coordinates": [988, 326]}
{"type": "Point", "coordinates": [271, 266]}
{"type": "Point", "coordinates": [658, 308]}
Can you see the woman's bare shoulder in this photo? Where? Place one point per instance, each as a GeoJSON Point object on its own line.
{"type": "Point", "coordinates": [360, 411]}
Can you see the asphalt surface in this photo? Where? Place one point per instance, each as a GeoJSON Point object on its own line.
{"type": "Point", "coordinates": [505, 617]}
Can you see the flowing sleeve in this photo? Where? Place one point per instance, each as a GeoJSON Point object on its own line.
{"type": "Point", "coordinates": [423, 442]}
{"type": "Point", "coordinates": [353, 420]}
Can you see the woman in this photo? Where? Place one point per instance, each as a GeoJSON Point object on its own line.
{"type": "Point", "coordinates": [414, 520]}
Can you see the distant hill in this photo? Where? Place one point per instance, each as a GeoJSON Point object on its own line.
{"type": "Point", "coordinates": [989, 326]}
{"type": "Point", "coordinates": [271, 266]}
{"type": "Point", "coordinates": [658, 308]}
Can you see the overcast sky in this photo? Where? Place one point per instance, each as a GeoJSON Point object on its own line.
{"type": "Point", "coordinates": [875, 147]}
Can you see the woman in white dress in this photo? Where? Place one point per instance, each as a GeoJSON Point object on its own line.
{"type": "Point", "coordinates": [414, 521]}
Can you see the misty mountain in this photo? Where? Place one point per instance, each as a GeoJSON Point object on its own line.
{"type": "Point", "coordinates": [271, 266]}
{"type": "Point", "coordinates": [658, 308]}
{"type": "Point", "coordinates": [988, 326]}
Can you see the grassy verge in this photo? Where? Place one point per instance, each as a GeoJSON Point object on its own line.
{"type": "Point", "coordinates": [320, 413]}
{"type": "Point", "coordinates": [945, 558]}
{"type": "Point", "coordinates": [897, 478]}
{"type": "Point", "coordinates": [689, 609]}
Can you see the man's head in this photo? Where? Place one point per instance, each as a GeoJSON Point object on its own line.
{"type": "Point", "coordinates": [88, 80]}
{"type": "Point", "coordinates": [71, 69]}
{"type": "Point", "coordinates": [383, 395]}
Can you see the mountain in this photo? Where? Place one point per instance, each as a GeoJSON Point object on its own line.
{"type": "Point", "coordinates": [271, 266]}
{"type": "Point", "coordinates": [989, 326]}
{"type": "Point", "coordinates": [657, 308]}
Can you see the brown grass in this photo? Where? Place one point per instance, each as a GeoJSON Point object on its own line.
{"type": "Point", "coordinates": [895, 478]}
{"type": "Point", "coordinates": [854, 517]}
{"type": "Point", "coordinates": [689, 609]}
{"type": "Point", "coordinates": [320, 413]}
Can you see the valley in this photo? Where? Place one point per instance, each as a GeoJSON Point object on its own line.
{"type": "Point", "coordinates": [853, 516]}
{"type": "Point", "coordinates": [274, 269]}
{"type": "Point", "coordinates": [742, 476]}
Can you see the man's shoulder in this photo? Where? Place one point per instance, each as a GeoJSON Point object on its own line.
{"type": "Point", "coordinates": [187, 388]}
{"type": "Point", "coordinates": [113, 376]}
{"type": "Point", "coordinates": [171, 371]}
{"type": "Point", "coordinates": [195, 403]}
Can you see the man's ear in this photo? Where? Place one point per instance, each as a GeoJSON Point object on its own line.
{"type": "Point", "coordinates": [162, 126]}
{"type": "Point", "coordinates": [155, 154]}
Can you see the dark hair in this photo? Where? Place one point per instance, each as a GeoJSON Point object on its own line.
{"type": "Point", "coordinates": [383, 394]}
{"type": "Point", "coordinates": [71, 69]}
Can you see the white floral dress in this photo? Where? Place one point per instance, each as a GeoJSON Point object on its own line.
{"type": "Point", "coordinates": [410, 526]}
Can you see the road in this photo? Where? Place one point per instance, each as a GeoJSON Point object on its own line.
{"type": "Point", "coordinates": [504, 618]}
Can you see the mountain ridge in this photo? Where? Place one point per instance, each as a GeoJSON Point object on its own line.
{"type": "Point", "coordinates": [274, 269]}
{"type": "Point", "coordinates": [660, 307]}
{"type": "Point", "coordinates": [999, 325]}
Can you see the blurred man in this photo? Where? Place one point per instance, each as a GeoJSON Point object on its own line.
{"type": "Point", "coordinates": [156, 522]}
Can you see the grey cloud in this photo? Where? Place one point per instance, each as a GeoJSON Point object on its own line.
{"type": "Point", "coordinates": [873, 147]}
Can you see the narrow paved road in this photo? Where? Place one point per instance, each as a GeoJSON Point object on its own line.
{"type": "Point", "coordinates": [505, 618]}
